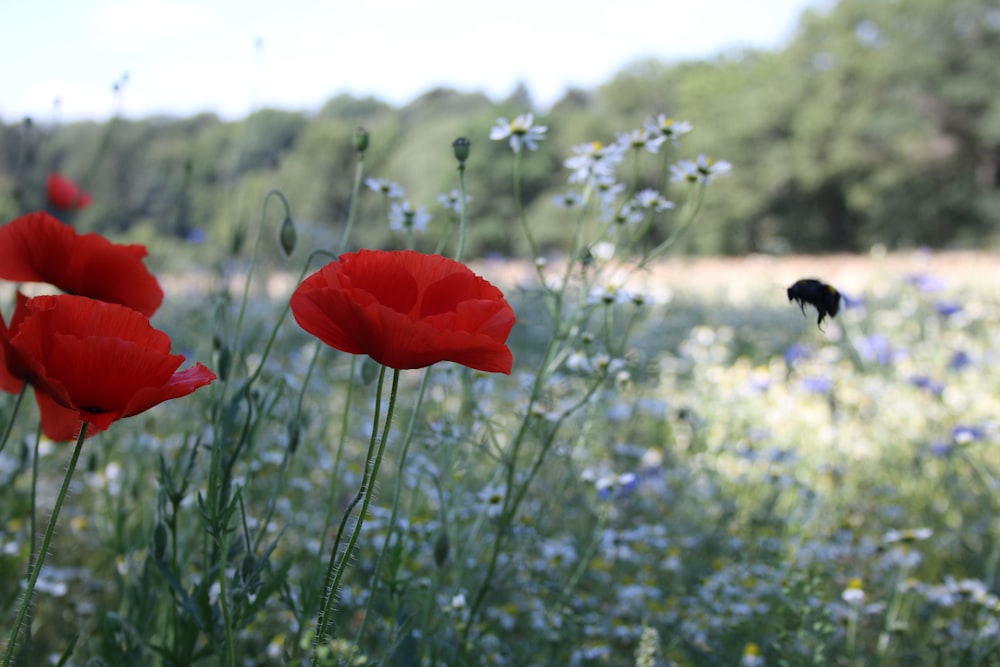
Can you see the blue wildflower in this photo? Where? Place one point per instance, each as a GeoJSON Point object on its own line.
{"type": "Point", "coordinates": [797, 352]}
{"type": "Point", "coordinates": [817, 384]}
{"type": "Point", "coordinates": [851, 302]}
{"type": "Point", "coordinates": [876, 347]}
{"type": "Point", "coordinates": [948, 308]}
{"type": "Point", "coordinates": [196, 236]}
{"type": "Point", "coordinates": [925, 282]}
{"type": "Point", "coordinates": [928, 383]}
{"type": "Point", "coordinates": [959, 360]}
{"type": "Point", "coordinates": [941, 449]}
{"type": "Point", "coordinates": [964, 433]}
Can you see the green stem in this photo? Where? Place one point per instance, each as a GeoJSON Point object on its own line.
{"type": "Point", "coordinates": [227, 621]}
{"type": "Point", "coordinates": [253, 256]}
{"type": "Point", "coordinates": [281, 318]}
{"type": "Point", "coordinates": [358, 173]}
{"type": "Point", "coordinates": [679, 231]}
{"type": "Point", "coordinates": [345, 417]}
{"type": "Point", "coordinates": [13, 413]}
{"type": "Point", "coordinates": [463, 222]}
{"type": "Point", "coordinates": [32, 533]}
{"type": "Point", "coordinates": [272, 502]}
{"type": "Point", "coordinates": [335, 570]}
{"type": "Point", "coordinates": [35, 570]}
{"type": "Point", "coordinates": [522, 216]}
{"type": "Point", "coordinates": [411, 428]}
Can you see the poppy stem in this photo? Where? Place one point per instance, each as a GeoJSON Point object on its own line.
{"type": "Point", "coordinates": [463, 214]}
{"type": "Point", "coordinates": [335, 570]}
{"type": "Point", "coordinates": [358, 173]}
{"type": "Point", "coordinates": [411, 428]}
{"type": "Point", "coordinates": [253, 256]}
{"type": "Point", "coordinates": [36, 569]}
{"type": "Point", "coordinates": [13, 413]}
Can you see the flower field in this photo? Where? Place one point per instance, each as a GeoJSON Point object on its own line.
{"type": "Point", "coordinates": [662, 462]}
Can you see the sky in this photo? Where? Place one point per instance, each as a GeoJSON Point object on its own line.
{"type": "Point", "coordinates": [181, 57]}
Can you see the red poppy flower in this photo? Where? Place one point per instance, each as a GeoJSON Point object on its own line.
{"type": "Point", "coordinates": [12, 372]}
{"type": "Point", "coordinates": [64, 194]}
{"type": "Point", "coordinates": [39, 248]}
{"type": "Point", "coordinates": [405, 309]}
{"type": "Point", "coordinates": [95, 362]}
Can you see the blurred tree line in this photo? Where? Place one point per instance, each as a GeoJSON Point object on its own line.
{"type": "Point", "coordinates": [879, 122]}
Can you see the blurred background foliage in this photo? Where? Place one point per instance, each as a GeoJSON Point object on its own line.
{"type": "Point", "coordinates": [879, 122]}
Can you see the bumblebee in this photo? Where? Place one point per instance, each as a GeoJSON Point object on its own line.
{"type": "Point", "coordinates": [825, 298]}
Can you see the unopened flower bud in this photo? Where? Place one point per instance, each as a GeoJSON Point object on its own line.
{"type": "Point", "coordinates": [222, 363]}
{"type": "Point", "coordinates": [236, 244]}
{"type": "Point", "coordinates": [287, 236]}
{"type": "Point", "coordinates": [294, 435]}
{"type": "Point", "coordinates": [160, 541]}
{"type": "Point", "coordinates": [361, 140]}
{"type": "Point", "coordinates": [247, 567]}
{"type": "Point", "coordinates": [461, 146]}
{"type": "Point", "coordinates": [441, 549]}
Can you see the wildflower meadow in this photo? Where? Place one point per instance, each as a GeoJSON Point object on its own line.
{"type": "Point", "coordinates": [404, 455]}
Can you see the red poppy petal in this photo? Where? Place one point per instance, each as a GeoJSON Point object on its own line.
{"type": "Point", "coordinates": [11, 379]}
{"type": "Point", "coordinates": [102, 359]}
{"type": "Point", "coordinates": [83, 317]}
{"type": "Point", "coordinates": [105, 374]}
{"type": "Point", "coordinates": [390, 283]}
{"type": "Point", "coordinates": [178, 385]}
{"type": "Point", "coordinates": [83, 200]}
{"type": "Point", "coordinates": [425, 269]}
{"type": "Point", "coordinates": [39, 248]}
{"type": "Point", "coordinates": [494, 319]}
{"type": "Point", "coordinates": [110, 272]}
{"type": "Point", "coordinates": [64, 194]}
{"type": "Point", "coordinates": [59, 423]}
{"type": "Point", "coordinates": [445, 294]}
{"type": "Point", "coordinates": [423, 346]}
{"type": "Point", "coordinates": [35, 248]}
{"type": "Point", "coordinates": [336, 319]}
{"type": "Point", "coordinates": [407, 310]}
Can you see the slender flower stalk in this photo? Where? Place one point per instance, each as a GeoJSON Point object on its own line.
{"type": "Point", "coordinates": [43, 551]}
{"type": "Point", "coordinates": [335, 569]}
{"type": "Point", "coordinates": [355, 190]}
{"type": "Point", "coordinates": [522, 215]}
{"type": "Point", "coordinates": [9, 426]}
{"type": "Point", "coordinates": [462, 146]}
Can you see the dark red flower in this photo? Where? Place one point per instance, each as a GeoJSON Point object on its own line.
{"type": "Point", "coordinates": [12, 372]}
{"type": "Point", "coordinates": [405, 309]}
{"type": "Point", "coordinates": [64, 194]}
{"type": "Point", "coordinates": [39, 248]}
{"type": "Point", "coordinates": [95, 362]}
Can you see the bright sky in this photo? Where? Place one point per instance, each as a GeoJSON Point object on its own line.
{"type": "Point", "coordinates": [230, 56]}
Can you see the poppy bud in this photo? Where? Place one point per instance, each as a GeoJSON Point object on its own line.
{"type": "Point", "coordinates": [236, 245]}
{"type": "Point", "coordinates": [461, 146]}
{"type": "Point", "coordinates": [287, 236]}
{"type": "Point", "coordinates": [441, 548]}
{"type": "Point", "coordinates": [113, 622]}
{"type": "Point", "coordinates": [223, 362]}
{"type": "Point", "coordinates": [294, 435]}
{"type": "Point", "coordinates": [160, 542]}
{"type": "Point", "coordinates": [247, 566]}
{"type": "Point", "coordinates": [361, 140]}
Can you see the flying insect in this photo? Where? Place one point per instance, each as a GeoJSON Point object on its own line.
{"type": "Point", "coordinates": [825, 298]}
